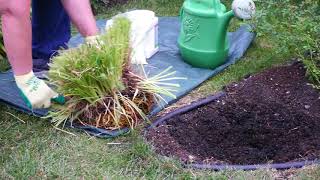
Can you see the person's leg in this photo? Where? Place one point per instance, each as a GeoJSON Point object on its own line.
{"type": "Point", "coordinates": [50, 31]}
{"type": "Point", "coordinates": [81, 15]}
{"type": "Point", "coordinates": [16, 27]}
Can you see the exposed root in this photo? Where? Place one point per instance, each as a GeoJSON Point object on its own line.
{"type": "Point", "coordinates": [104, 113]}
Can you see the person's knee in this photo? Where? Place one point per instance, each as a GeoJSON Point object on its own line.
{"type": "Point", "coordinates": [18, 9]}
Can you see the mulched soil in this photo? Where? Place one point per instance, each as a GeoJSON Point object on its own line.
{"type": "Point", "coordinates": [271, 117]}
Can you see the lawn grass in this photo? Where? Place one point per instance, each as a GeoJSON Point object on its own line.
{"type": "Point", "coordinates": [33, 149]}
{"type": "Point", "coordinates": [4, 65]}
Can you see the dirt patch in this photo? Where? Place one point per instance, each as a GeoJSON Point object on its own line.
{"type": "Point", "coordinates": [271, 117]}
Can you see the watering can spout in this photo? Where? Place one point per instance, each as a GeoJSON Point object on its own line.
{"type": "Point", "coordinates": [228, 16]}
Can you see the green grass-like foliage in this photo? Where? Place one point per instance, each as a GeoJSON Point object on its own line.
{"type": "Point", "coordinates": [4, 64]}
{"type": "Point", "coordinates": [294, 26]}
{"type": "Point", "coordinates": [3, 54]}
{"type": "Point", "coordinates": [100, 86]}
{"type": "Point", "coordinates": [89, 72]}
{"type": "Point", "coordinates": [312, 64]}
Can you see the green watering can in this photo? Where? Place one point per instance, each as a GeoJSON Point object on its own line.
{"type": "Point", "coordinates": [203, 38]}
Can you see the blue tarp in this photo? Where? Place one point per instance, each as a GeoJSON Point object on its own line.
{"type": "Point", "coordinates": [167, 56]}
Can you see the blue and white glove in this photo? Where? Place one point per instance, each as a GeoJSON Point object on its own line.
{"type": "Point", "coordinates": [35, 92]}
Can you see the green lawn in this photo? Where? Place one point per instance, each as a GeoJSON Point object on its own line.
{"type": "Point", "coordinates": [30, 148]}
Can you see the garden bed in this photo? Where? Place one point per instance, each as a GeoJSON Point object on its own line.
{"type": "Point", "coordinates": [271, 117]}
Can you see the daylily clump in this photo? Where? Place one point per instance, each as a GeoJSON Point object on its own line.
{"type": "Point", "coordinates": [101, 87]}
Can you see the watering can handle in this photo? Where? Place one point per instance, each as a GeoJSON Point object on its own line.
{"type": "Point", "coordinates": [181, 13]}
{"type": "Point", "coordinates": [216, 3]}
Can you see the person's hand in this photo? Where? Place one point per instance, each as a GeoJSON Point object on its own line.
{"type": "Point", "coordinates": [35, 92]}
{"type": "Point", "coordinates": [93, 41]}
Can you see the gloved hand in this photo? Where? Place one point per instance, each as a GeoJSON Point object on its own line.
{"type": "Point", "coordinates": [35, 92]}
{"type": "Point", "coordinates": [92, 40]}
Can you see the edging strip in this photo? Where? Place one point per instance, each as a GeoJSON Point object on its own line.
{"type": "Point", "coordinates": [185, 109]}
{"type": "Point", "coordinates": [279, 166]}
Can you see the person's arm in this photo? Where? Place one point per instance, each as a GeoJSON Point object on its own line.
{"type": "Point", "coordinates": [81, 15]}
{"type": "Point", "coordinates": [16, 27]}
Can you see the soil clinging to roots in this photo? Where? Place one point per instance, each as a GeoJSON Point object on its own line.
{"type": "Point", "coordinates": [101, 115]}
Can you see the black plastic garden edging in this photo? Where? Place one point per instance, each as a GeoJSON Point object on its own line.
{"type": "Point", "coordinates": [185, 109]}
{"type": "Point", "coordinates": [278, 166]}
{"type": "Point", "coordinates": [219, 167]}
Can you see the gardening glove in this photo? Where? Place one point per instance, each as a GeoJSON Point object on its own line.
{"type": "Point", "coordinates": [35, 92]}
{"type": "Point", "coordinates": [93, 41]}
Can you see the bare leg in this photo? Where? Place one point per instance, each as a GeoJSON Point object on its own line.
{"type": "Point", "coordinates": [81, 15]}
{"type": "Point", "coordinates": [16, 27]}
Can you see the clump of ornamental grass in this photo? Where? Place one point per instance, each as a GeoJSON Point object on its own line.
{"type": "Point", "coordinates": [101, 87]}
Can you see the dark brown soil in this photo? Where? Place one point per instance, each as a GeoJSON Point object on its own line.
{"type": "Point", "coordinates": [272, 117]}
